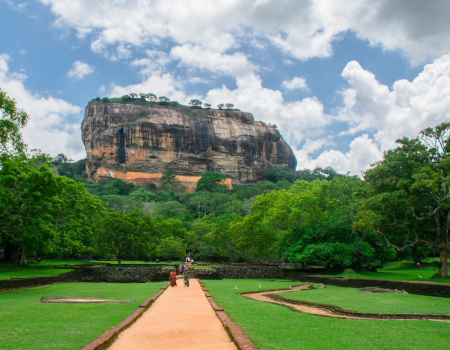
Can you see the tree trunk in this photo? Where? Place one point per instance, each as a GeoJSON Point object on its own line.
{"type": "Point", "coordinates": [15, 255]}
{"type": "Point", "coordinates": [23, 259]}
{"type": "Point", "coordinates": [444, 238]}
{"type": "Point", "coordinates": [9, 252]}
{"type": "Point", "coordinates": [415, 254]}
{"type": "Point", "coordinates": [119, 261]}
{"type": "Point", "coordinates": [443, 260]}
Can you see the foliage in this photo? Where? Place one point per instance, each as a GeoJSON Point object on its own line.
{"type": "Point", "coordinates": [119, 235]}
{"type": "Point", "coordinates": [276, 174]}
{"type": "Point", "coordinates": [211, 182]}
{"type": "Point", "coordinates": [11, 121]}
{"type": "Point", "coordinates": [163, 99]}
{"type": "Point", "coordinates": [169, 182]}
{"type": "Point", "coordinates": [408, 198]}
{"type": "Point", "coordinates": [195, 103]}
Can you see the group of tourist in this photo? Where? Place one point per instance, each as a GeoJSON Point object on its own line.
{"type": "Point", "coordinates": [183, 272]}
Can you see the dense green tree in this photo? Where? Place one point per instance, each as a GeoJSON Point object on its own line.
{"type": "Point", "coordinates": [29, 204]}
{"type": "Point", "coordinates": [12, 120]}
{"type": "Point", "coordinates": [171, 209]}
{"type": "Point", "coordinates": [211, 182]}
{"type": "Point", "coordinates": [276, 174]}
{"type": "Point", "coordinates": [120, 235]}
{"type": "Point", "coordinates": [170, 182]}
{"type": "Point", "coordinates": [195, 103]}
{"type": "Point", "coordinates": [151, 97]}
{"type": "Point", "coordinates": [409, 193]}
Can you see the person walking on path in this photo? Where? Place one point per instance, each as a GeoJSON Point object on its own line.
{"type": "Point", "coordinates": [186, 278]}
{"type": "Point", "coordinates": [181, 270]}
{"type": "Point", "coordinates": [173, 279]}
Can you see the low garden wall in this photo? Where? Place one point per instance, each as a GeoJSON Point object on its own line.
{"type": "Point", "coordinates": [412, 287]}
{"type": "Point", "coordinates": [127, 274]}
{"type": "Point", "coordinates": [140, 274]}
{"type": "Point", "coordinates": [250, 272]}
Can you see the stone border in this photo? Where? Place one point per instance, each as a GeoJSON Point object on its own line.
{"type": "Point", "coordinates": [433, 289]}
{"type": "Point", "coordinates": [235, 332]}
{"type": "Point", "coordinates": [108, 337]}
{"type": "Point", "coordinates": [367, 315]}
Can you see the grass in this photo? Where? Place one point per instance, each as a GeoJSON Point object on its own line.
{"type": "Point", "coordinates": [276, 327]}
{"type": "Point", "coordinates": [351, 299]}
{"type": "Point", "coordinates": [401, 271]}
{"type": "Point", "coordinates": [26, 324]}
{"type": "Point", "coordinates": [34, 268]}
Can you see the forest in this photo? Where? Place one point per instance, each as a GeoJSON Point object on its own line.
{"type": "Point", "coordinates": [399, 208]}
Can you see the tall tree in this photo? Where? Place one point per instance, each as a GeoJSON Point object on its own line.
{"type": "Point", "coordinates": [29, 204]}
{"type": "Point", "coordinates": [11, 121]}
{"type": "Point", "coordinates": [211, 182]}
{"type": "Point", "coordinates": [410, 192]}
{"type": "Point", "coordinates": [120, 235]}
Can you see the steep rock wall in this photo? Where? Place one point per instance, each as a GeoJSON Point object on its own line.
{"type": "Point", "coordinates": [138, 143]}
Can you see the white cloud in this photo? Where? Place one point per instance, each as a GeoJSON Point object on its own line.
{"type": "Point", "coordinates": [48, 128]}
{"type": "Point", "coordinates": [236, 65]}
{"type": "Point", "coordinates": [155, 62]}
{"type": "Point", "coordinates": [301, 28]}
{"type": "Point", "coordinates": [295, 83]}
{"type": "Point", "coordinates": [157, 83]}
{"type": "Point", "coordinates": [362, 153]}
{"type": "Point", "coordinates": [403, 111]}
{"type": "Point", "coordinates": [389, 114]}
{"type": "Point", "coordinates": [294, 119]}
{"type": "Point", "coordinates": [79, 70]}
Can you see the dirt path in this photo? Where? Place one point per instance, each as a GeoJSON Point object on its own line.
{"type": "Point", "coordinates": [319, 311]}
{"type": "Point", "coordinates": [261, 296]}
{"type": "Point", "coordinates": [181, 318]}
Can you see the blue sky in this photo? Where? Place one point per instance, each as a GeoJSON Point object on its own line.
{"type": "Point", "coordinates": [342, 79]}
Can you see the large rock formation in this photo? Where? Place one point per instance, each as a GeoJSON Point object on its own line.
{"type": "Point", "coordinates": [139, 142]}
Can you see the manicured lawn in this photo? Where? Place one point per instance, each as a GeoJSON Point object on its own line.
{"type": "Point", "coordinates": [276, 327]}
{"type": "Point", "coordinates": [34, 268]}
{"type": "Point", "coordinates": [401, 271]}
{"type": "Point", "coordinates": [26, 324]}
{"type": "Point", "coordinates": [351, 299]}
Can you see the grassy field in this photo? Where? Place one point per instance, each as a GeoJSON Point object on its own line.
{"type": "Point", "coordinates": [26, 324]}
{"type": "Point", "coordinates": [33, 268]}
{"type": "Point", "coordinates": [276, 327]}
{"type": "Point", "coordinates": [402, 270]}
{"type": "Point", "coordinates": [351, 299]}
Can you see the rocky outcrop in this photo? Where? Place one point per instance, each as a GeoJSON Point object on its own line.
{"type": "Point", "coordinates": [139, 142]}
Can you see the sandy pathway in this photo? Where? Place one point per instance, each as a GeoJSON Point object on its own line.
{"type": "Point", "coordinates": [261, 296]}
{"type": "Point", "coordinates": [181, 318]}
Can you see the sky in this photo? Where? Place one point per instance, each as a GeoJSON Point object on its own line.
{"type": "Point", "coordinates": [342, 79]}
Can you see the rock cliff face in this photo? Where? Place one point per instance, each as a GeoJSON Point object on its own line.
{"type": "Point", "coordinates": [138, 143]}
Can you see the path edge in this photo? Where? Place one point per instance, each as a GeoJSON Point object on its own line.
{"type": "Point", "coordinates": [235, 332]}
{"type": "Point", "coordinates": [105, 340]}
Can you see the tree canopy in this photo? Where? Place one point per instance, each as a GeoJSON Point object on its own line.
{"type": "Point", "coordinates": [12, 120]}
